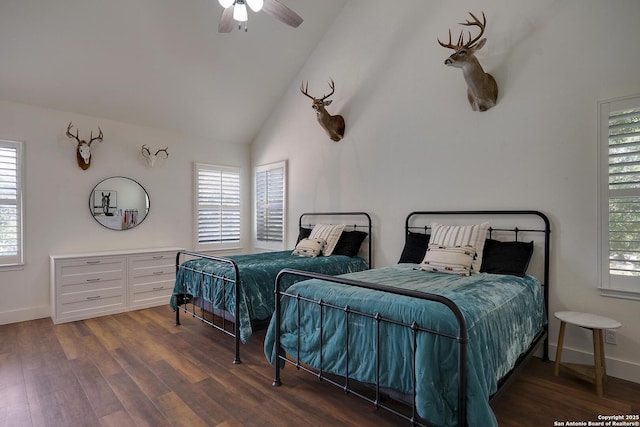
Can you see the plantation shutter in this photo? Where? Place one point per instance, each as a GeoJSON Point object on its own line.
{"type": "Point", "coordinates": [270, 205]}
{"type": "Point", "coordinates": [623, 189]}
{"type": "Point", "coordinates": [10, 203]}
{"type": "Point", "coordinates": [218, 205]}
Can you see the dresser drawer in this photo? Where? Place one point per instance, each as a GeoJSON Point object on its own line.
{"type": "Point", "coordinates": [94, 266]}
{"type": "Point", "coordinates": [91, 304]}
{"type": "Point", "coordinates": [167, 259]}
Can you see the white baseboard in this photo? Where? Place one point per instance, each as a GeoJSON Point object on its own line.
{"type": "Point", "coordinates": [622, 369]}
{"type": "Point", "coordinates": [24, 314]}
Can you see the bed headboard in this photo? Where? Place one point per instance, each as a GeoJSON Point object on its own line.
{"type": "Point", "coordinates": [520, 225]}
{"type": "Point", "coordinates": [353, 221]}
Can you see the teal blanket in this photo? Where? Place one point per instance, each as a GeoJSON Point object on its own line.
{"type": "Point", "coordinates": [503, 315]}
{"type": "Point", "coordinates": [257, 280]}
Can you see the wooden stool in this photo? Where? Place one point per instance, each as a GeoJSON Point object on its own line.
{"type": "Point", "coordinates": [598, 372]}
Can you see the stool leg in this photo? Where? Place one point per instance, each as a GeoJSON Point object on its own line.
{"type": "Point", "coordinates": [598, 355]}
{"type": "Point", "coordinates": [556, 371]}
{"type": "Point", "coordinates": [604, 360]}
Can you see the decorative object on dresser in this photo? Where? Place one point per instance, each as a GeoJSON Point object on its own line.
{"type": "Point", "coordinates": [482, 89]}
{"type": "Point", "coordinates": [83, 149]}
{"type": "Point", "coordinates": [333, 125]}
{"type": "Point", "coordinates": [162, 154]}
{"type": "Point", "coordinates": [127, 211]}
{"type": "Point", "coordinates": [100, 283]}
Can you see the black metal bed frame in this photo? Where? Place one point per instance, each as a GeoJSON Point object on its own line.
{"type": "Point", "coordinates": [229, 323]}
{"type": "Point", "coordinates": [345, 383]}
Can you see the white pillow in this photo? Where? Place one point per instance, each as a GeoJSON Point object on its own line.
{"type": "Point", "coordinates": [330, 233]}
{"type": "Point", "coordinates": [461, 235]}
{"type": "Point", "coordinates": [450, 260]}
{"type": "Point", "coordinates": [309, 247]}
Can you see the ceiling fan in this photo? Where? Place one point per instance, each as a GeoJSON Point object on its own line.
{"type": "Point", "coordinates": [236, 11]}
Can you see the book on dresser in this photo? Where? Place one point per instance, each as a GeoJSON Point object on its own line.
{"type": "Point", "coordinates": [100, 283]}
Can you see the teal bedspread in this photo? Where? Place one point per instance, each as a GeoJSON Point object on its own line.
{"type": "Point", "coordinates": [257, 280]}
{"type": "Point", "coordinates": [503, 315]}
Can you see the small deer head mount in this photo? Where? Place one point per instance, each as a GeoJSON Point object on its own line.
{"type": "Point", "coordinates": [333, 125]}
{"type": "Point", "coordinates": [482, 90]}
{"type": "Point", "coordinates": [83, 149]}
{"type": "Point", "coordinates": [162, 153]}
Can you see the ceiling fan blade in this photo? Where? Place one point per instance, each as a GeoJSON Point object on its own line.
{"type": "Point", "coordinates": [282, 12]}
{"type": "Point", "coordinates": [226, 21]}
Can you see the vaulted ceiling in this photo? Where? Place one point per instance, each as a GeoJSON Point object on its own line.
{"type": "Point", "coordinates": [156, 63]}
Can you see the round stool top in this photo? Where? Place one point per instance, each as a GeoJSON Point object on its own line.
{"type": "Point", "coordinates": [587, 320]}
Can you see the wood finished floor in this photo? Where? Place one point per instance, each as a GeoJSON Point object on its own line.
{"type": "Point", "coordinates": [138, 369]}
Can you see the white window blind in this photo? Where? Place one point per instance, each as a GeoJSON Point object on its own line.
{"type": "Point", "coordinates": [11, 204]}
{"type": "Point", "coordinates": [217, 206]}
{"type": "Point", "coordinates": [620, 208]}
{"type": "Point", "coordinates": [270, 188]}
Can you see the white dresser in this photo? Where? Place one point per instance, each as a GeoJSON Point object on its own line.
{"type": "Point", "coordinates": [100, 283]}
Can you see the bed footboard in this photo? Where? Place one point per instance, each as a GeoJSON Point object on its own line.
{"type": "Point", "coordinates": [199, 308]}
{"type": "Point", "coordinates": [461, 339]}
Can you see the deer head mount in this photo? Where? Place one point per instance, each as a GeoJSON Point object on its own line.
{"type": "Point", "coordinates": [482, 90]}
{"type": "Point", "coordinates": [333, 125]}
{"type": "Point", "coordinates": [162, 153]}
{"type": "Point", "coordinates": [83, 149]}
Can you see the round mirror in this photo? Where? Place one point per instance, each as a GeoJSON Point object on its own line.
{"type": "Point", "coordinates": [119, 203]}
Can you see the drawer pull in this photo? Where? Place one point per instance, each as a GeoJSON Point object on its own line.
{"type": "Point", "coordinates": [97, 279]}
{"type": "Point", "coordinates": [93, 262]}
{"type": "Point", "coordinates": [158, 272]}
{"type": "Point", "coordinates": [158, 257]}
{"type": "Point", "coordinates": [157, 289]}
{"type": "Point", "coordinates": [93, 298]}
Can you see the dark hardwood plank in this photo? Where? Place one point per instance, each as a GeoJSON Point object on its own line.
{"type": "Point", "coordinates": [139, 369]}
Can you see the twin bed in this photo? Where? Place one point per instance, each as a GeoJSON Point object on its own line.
{"type": "Point", "coordinates": [423, 333]}
{"type": "Point", "coordinates": [235, 294]}
{"type": "Point", "coordinates": [442, 343]}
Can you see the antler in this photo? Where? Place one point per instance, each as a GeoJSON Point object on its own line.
{"type": "Point", "coordinates": [304, 89]}
{"type": "Point", "coordinates": [70, 135]}
{"type": "Point", "coordinates": [144, 148]}
{"type": "Point", "coordinates": [476, 23]}
{"type": "Point", "coordinates": [163, 149]}
{"type": "Point", "coordinates": [97, 138]}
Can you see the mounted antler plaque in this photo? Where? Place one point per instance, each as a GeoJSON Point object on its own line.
{"type": "Point", "coordinates": [333, 125]}
{"type": "Point", "coordinates": [482, 90]}
{"type": "Point", "coordinates": [83, 149]}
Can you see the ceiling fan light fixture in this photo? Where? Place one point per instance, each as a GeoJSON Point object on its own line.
{"type": "Point", "coordinates": [226, 3]}
{"type": "Point", "coordinates": [255, 5]}
{"type": "Point", "coordinates": [240, 12]}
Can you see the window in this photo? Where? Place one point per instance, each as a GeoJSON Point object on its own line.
{"type": "Point", "coordinates": [11, 187]}
{"type": "Point", "coordinates": [270, 206]}
{"type": "Point", "coordinates": [619, 196]}
{"type": "Point", "coordinates": [217, 213]}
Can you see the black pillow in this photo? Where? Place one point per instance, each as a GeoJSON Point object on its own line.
{"type": "Point", "coordinates": [349, 243]}
{"type": "Point", "coordinates": [415, 248]}
{"type": "Point", "coordinates": [506, 257]}
{"type": "Point", "coordinates": [304, 233]}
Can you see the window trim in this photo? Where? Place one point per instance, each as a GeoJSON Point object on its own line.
{"type": "Point", "coordinates": [17, 261]}
{"type": "Point", "coordinates": [261, 244]}
{"type": "Point", "coordinates": [620, 287]}
{"type": "Point", "coordinates": [217, 246]}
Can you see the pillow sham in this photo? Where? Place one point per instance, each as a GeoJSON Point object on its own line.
{"type": "Point", "coordinates": [330, 233]}
{"type": "Point", "coordinates": [303, 234]}
{"type": "Point", "coordinates": [309, 248]}
{"type": "Point", "coordinates": [415, 248]}
{"type": "Point", "coordinates": [463, 236]}
{"type": "Point", "coordinates": [506, 257]}
{"type": "Point", "coordinates": [349, 243]}
{"type": "Point", "coordinates": [448, 259]}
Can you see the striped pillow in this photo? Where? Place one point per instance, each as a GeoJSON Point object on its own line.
{"type": "Point", "coordinates": [330, 233]}
{"type": "Point", "coordinates": [450, 260]}
{"type": "Point", "coordinates": [309, 247]}
{"type": "Point", "coordinates": [461, 235]}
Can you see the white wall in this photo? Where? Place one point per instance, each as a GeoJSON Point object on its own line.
{"type": "Point", "coordinates": [412, 141]}
{"type": "Point", "coordinates": [57, 217]}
